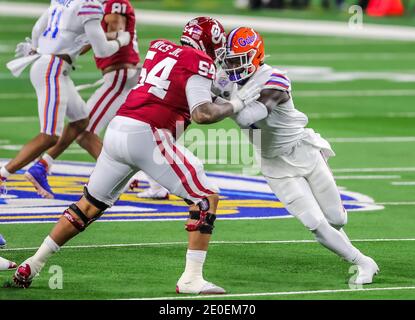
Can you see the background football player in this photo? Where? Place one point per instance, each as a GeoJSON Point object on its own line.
{"type": "Point", "coordinates": [57, 39]}
{"type": "Point", "coordinates": [293, 158]}
{"type": "Point", "coordinates": [120, 74]}
{"type": "Point", "coordinates": [141, 137]}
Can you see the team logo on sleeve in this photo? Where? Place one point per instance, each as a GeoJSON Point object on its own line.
{"type": "Point", "coordinates": [238, 199]}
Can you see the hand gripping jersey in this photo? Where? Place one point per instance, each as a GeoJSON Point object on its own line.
{"type": "Point", "coordinates": [66, 19]}
{"type": "Point", "coordinates": [160, 98]}
{"type": "Point", "coordinates": [129, 53]}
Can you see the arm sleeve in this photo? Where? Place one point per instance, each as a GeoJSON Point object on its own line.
{"type": "Point", "coordinates": [198, 91]}
{"type": "Point", "coordinates": [278, 81]}
{"type": "Point", "coordinates": [252, 113]}
{"type": "Point", "coordinates": [38, 28]}
{"type": "Point", "coordinates": [96, 36]}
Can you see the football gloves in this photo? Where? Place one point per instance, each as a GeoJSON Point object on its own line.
{"type": "Point", "coordinates": [123, 38]}
{"type": "Point", "coordinates": [24, 49]}
{"type": "Point", "coordinates": [248, 93]}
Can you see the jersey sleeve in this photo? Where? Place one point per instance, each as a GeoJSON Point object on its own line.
{"type": "Point", "coordinates": [200, 64]}
{"type": "Point", "coordinates": [197, 91]}
{"type": "Point", "coordinates": [278, 81]}
{"type": "Point", "coordinates": [90, 10]}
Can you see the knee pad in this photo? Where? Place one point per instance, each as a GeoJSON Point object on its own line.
{"type": "Point", "coordinates": [96, 203]}
{"type": "Point", "coordinates": [205, 220]}
{"type": "Point", "coordinates": [80, 225]}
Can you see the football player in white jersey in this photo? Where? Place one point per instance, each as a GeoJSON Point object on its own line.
{"type": "Point", "coordinates": [293, 158]}
{"type": "Point", "coordinates": [58, 37]}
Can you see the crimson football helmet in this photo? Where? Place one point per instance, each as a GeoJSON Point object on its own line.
{"type": "Point", "coordinates": [206, 34]}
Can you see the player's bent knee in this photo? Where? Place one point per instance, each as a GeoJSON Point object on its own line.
{"type": "Point", "coordinates": [80, 125]}
{"type": "Point", "coordinates": [49, 140]}
{"type": "Point", "coordinates": [101, 206]}
{"type": "Point", "coordinates": [337, 218]}
{"type": "Point", "coordinates": [204, 219]}
{"type": "Point", "coordinates": [310, 221]}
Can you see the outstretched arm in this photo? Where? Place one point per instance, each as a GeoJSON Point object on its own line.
{"type": "Point", "coordinates": [204, 111]}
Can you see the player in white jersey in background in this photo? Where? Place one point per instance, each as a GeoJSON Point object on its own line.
{"type": "Point", "coordinates": [293, 158]}
{"type": "Point", "coordinates": [57, 40]}
{"type": "Point", "coordinates": [120, 74]}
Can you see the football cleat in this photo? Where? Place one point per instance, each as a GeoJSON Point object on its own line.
{"type": "Point", "coordinates": [367, 269]}
{"type": "Point", "coordinates": [37, 175]}
{"type": "Point", "coordinates": [26, 272]}
{"type": "Point", "coordinates": [3, 242]}
{"type": "Point", "coordinates": [198, 286]}
{"type": "Point", "coordinates": [161, 194]}
{"type": "Point", "coordinates": [6, 264]}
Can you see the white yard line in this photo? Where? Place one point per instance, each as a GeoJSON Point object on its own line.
{"type": "Point", "coordinates": [350, 170]}
{"type": "Point", "coordinates": [349, 115]}
{"type": "Point", "coordinates": [403, 183]}
{"type": "Point", "coordinates": [372, 139]}
{"type": "Point", "coordinates": [281, 293]}
{"type": "Point", "coordinates": [275, 25]}
{"type": "Point", "coordinates": [354, 93]}
{"type": "Point", "coordinates": [338, 56]}
{"type": "Point", "coordinates": [18, 119]}
{"type": "Point", "coordinates": [367, 177]}
{"type": "Point", "coordinates": [182, 243]}
{"type": "Point", "coordinates": [405, 203]}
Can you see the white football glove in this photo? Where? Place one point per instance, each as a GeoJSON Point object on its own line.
{"type": "Point", "coordinates": [244, 96]}
{"type": "Point", "coordinates": [24, 49]}
{"type": "Point", "coordinates": [123, 38]}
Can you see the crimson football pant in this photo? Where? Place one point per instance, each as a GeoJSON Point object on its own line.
{"type": "Point", "coordinates": [107, 99]}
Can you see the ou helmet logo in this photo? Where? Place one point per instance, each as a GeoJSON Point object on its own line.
{"type": "Point", "coordinates": [217, 35]}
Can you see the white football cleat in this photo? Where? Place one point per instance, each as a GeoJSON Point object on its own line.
{"type": "Point", "coordinates": [6, 264]}
{"type": "Point", "coordinates": [199, 286]}
{"type": "Point", "coordinates": [160, 194]}
{"type": "Point", "coordinates": [367, 269]}
{"type": "Point", "coordinates": [26, 272]}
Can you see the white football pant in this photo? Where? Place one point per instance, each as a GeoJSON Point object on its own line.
{"type": "Point", "coordinates": [131, 145]}
{"type": "Point", "coordinates": [56, 94]}
{"type": "Point", "coordinates": [314, 199]}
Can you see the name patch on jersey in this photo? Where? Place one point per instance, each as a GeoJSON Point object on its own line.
{"type": "Point", "coordinates": [241, 198]}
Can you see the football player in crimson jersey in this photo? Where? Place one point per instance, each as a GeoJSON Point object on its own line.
{"type": "Point", "coordinates": [174, 88]}
{"type": "Point", "coordinates": [293, 157]}
{"type": "Point", "coordinates": [120, 74]}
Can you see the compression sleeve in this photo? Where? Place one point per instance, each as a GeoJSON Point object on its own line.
{"type": "Point", "coordinates": [198, 91]}
{"type": "Point", "coordinates": [38, 28]}
{"type": "Point", "coordinates": [96, 36]}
